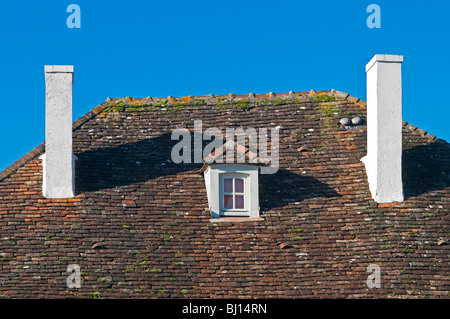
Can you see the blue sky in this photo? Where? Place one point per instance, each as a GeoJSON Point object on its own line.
{"type": "Point", "coordinates": [160, 48]}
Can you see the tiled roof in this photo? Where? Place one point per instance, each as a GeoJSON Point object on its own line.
{"type": "Point", "coordinates": [140, 226]}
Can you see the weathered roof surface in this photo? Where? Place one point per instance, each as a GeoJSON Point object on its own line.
{"type": "Point", "coordinates": [140, 225]}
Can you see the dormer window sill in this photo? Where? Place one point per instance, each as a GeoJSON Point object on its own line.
{"type": "Point", "coordinates": [236, 219]}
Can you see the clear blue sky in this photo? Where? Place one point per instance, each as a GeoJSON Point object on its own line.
{"type": "Point", "coordinates": [160, 48]}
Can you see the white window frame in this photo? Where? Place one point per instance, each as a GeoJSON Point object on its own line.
{"type": "Point", "coordinates": [214, 175]}
{"type": "Point", "coordinates": [234, 211]}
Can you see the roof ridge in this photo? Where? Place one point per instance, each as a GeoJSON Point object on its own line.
{"type": "Point", "coordinates": [213, 99]}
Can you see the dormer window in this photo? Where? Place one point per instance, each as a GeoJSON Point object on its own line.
{"type": "Point", "coordinates": [232, 190]}
{"type": "Point", "coordinates": [233, 194]}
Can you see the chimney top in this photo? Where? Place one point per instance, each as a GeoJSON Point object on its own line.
{"type": "Point", "coordinates": [58, 69]}
{"type": "Point", "coordinates": [389, 58]}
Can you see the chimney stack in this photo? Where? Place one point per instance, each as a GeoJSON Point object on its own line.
{"type": "Point", "coordinates": [58, 160]}
{"type": "Point", "coordinates": [384, 128]}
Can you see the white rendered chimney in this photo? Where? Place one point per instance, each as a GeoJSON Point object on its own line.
{"type": "Point", "coordinates": [58, 160]}
{"type": "Point", "coordinates": [384, 128]}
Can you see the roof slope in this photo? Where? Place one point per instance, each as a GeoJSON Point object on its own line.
{"type": "Point", "coordinates": [139, 226]}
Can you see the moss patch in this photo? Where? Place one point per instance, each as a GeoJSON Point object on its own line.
{"type": "Point", "coordinates": [117, 106]}
{"type": "Point", "coordinates": [323, 98]}
{"type": "Point", "coordinates": [295, 230]}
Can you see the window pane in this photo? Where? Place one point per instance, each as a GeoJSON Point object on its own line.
{"type": "Point", "coordinates": [239, 201]}
{"type": "Point", "coordinates": [238, 185]}
{"type": "Point", "coordinates": [228, 201]}
{"type": "Point", "coordinates": [228, 185]}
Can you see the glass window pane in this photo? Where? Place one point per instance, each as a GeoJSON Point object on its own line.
{"type": "Point", "coordinates": [239, 201]}
{"type": "Point", "coordinates": [228, 185]}
{"type": "Point", "coordinates": [228, 201]}
{"type": "Point", "coordinates": [238, 185]}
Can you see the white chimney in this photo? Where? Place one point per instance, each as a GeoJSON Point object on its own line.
{"type": "Point", "coordinates": [58, 160]}
{"type": "Point", "coordinates": [384, 128]}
